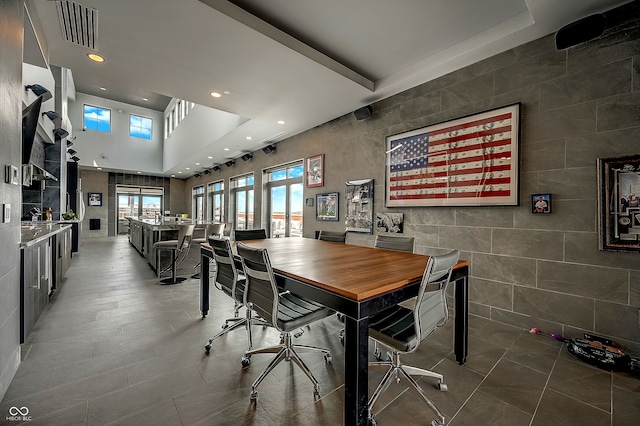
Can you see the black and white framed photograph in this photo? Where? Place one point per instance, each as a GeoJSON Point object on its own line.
{"type": "Point", "coordinates": [358, 196]}
{"type": "Point", "coordinates": [391, 223]}
{"type": "Point", "coordinates": [540, 203]}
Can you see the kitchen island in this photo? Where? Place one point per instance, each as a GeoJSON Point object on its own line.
{"type": "Point", "coordinates": [144, 232]}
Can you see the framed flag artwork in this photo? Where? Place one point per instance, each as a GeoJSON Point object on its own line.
{"type": "Point", "coordinates": [469, 161]}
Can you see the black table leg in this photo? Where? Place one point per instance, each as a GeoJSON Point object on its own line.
{"type": "Point", "coordinates": [204, 284]}
{"type": "Point", "coordinates": [461, 323]}
{"type": "Point", "coordinates": [356, 380]}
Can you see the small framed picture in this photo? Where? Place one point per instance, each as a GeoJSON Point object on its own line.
{"type": "Point", "coordinates": [540, 203]}
{"type": "Point", "coordinates": [315, 171]}
{"type": "Point", "coordinates": [12, 175]}
{"type": "Point", "coordinates": [95, 198]}
{"type": "Point", "coordinates": [327, 206]}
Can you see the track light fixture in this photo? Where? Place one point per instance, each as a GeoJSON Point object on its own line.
{"type": "Point", "coordinates": [69, 143]}
{"type": "Point", "coordinates": [60, 133]}
{"type": "Point", "coordinates": [269, 149]}
{"type": "Point", "coordinates": [230, 163]}
{"type": "Point", "coordinates": [72, 151]}
{"type": "Point", "coordinates": [197, 175]}
{"type": "Point", "coordinates": [74, 158]}
{"type": "Point", "coordinates": [206, 172]}
{"type": "Point", "coordinates": [216, 168]}
{"type": "Point", "coordinates": [248, 156]}
{"type": "Point", "coordinates": [52, 115]}
{"type": "Point", "coordinates": [39, 90]}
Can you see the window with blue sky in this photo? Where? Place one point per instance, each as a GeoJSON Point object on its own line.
{"type": "Point", "coordinates": [96, 118]}
{"type": "Point", "coordinates": [140, 127]}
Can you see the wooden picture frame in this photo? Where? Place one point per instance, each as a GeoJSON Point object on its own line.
{"type": "Point", "coordinates": [315, 171]}
{"type": "Point", "coordinates": [619, 203]}
{"type": "Point", "coordinates": [327, 206]}
{"type": "Point", "coordinates": [469, 161]}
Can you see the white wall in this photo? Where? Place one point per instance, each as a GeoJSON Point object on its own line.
{"type": "Point", "coordinates": [117, 150]}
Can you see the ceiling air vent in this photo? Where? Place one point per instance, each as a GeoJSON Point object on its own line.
{"type": "Point", "coordinates": [79, 24]}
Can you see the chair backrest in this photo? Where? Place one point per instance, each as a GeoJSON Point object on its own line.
{"type": "Point", "coordinates": [430, 310]}
{"type": "Point", "coordinates": [261, 289]}
{"type": "Point", "coordinates": [338, 237]}
{"type": "Point", "coordinates": [185, 233]}
{"type": "Point", "coordinates": [391, 242]}
{"type": "Point", "coordinates": [216, 229]}
{"type": "Point", "coordinates": [250, 234]}
{"type": "Point", "coordinates": [228, 229]}
{"type": "Point", "coordinates": [226, 272]}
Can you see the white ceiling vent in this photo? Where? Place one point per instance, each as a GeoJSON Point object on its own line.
{"type": "Point", "coordinates": [79, 24]}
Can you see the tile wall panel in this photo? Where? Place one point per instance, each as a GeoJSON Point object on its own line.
{"type": "Point", "coordinates": [506, 269]}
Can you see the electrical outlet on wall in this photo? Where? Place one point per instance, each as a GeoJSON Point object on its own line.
{"type": "Point", "coordinates": [6, 213]}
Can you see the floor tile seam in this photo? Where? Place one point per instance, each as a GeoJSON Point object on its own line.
{"type": "Point", "coordinates": [477, 389]}
{"type": "Point", "coordinates": [583, 402]}
{"type": "Point", "coordinates": [545, 388]}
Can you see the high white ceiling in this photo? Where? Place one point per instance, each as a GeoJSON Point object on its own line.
{"type": "Point", "coordinates": [302, 61]}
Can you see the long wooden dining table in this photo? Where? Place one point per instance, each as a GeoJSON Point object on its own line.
{"type": "Point", "coordinates": [358, 282]}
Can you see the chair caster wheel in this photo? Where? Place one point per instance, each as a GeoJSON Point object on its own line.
{"type": "Point", "coordinates": [327, 357]}
{"type": "Point", "coordinates": [225, 325]}
{"type": "Point", "coordinates": [371, 420]}
{"type": "Point", "coordinates": [436, 423]}
{"type": "Point", "coordinates": [377, 353]}
{"type": "Point", "coordinates": [254, 396]}
{"type": "Point", "coordinates": [207, 348]}
{"type": "Point", "coordinates": [442, 387]}
{"type": "Point", "coordinates": [298, 334]}
{"type": "Point", "coordinates": [316, 391]}
{"type": "Point", "coordinates": [245, 361]}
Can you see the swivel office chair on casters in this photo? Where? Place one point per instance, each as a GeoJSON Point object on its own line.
{"type": "Point", "coordinates": [402, 330]}
{"type": "Point", "coordinates": [179, 250]}
{"type": "Point", "coordinates": [282, 309]}
{"type": "Point", "coordinates": [211, 229]}
{"type": "Point", "coordinates": [337, 237]}
{"type": "Point", "coordinates": [232, 283]}
{"type": "Point", "coordinates": [250, 234]}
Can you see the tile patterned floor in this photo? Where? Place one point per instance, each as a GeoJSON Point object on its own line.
{"type": "Point", "coordinates": [115, 348]}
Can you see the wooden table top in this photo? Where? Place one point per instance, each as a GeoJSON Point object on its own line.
{"type": "Point", "coordinates": [356, 272]}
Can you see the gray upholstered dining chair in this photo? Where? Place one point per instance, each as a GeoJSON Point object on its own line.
{"type": "Point", "coordinates": [232, 283]}
{"type": "Point", "coordinates": [282, 309]}
{"type": "Point", "coordinates": [338, 237]}
{"type": "Point", "coordinates": [179, 249]}
{"type": "Point", "coordinates": [392, 242]}
{"type": "Point", "coordinates": [402, 330]}
{"type": "Point", "coordinates": [209, 230]}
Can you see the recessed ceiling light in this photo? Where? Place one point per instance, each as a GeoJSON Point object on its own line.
{"type": "Point", "coordinates": [215, 94]}
{"type": "Point", "coordinates": [249, 138]}
{"type": "Point", "coordinates": [145, 99]}
{"type": "Point", "coordinates": [139, 173]}
{"type": "Point", "coordinates": [226, 149]}
{"type": "Point", "coordinates": [179, 172]}
{"type": "Point", "coordinates": [99, 168]}
{"type": "Point", "coordinates": [103, 88]}
{"type": "Point", "coordinates": [210, 157]}
{"type": "Point", "coordinates": [226, 92]}
{"type": "Point", "coordinates": [188, 168]}
{"type": "Point", "coordinates": [95, 57]}
{"type": "Point", "coordinates": [280, 121]}
{"type": "Point", "coordinates": [197, 164]}
{"type": "Point", "coordinates": [173, 175]}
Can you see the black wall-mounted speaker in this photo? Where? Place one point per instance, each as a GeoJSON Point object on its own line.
{"type": "Point", "coordinates": [269, 149]}
{"type": "Point", "coordinates": [363, 113]}
{"type": "Point", "coordinates": [580, 31]}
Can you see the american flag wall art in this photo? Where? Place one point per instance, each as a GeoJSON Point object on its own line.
{"type": "Point", "coordinates": [470, 161]}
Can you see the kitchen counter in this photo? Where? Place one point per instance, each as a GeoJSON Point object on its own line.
{"type": "Point", "coordinates": [35, 232]}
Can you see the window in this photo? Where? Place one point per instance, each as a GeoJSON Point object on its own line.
{"type": "Point", "coordinates": [215, 200]}
{"type": "Point", "coordinates": [284, 196]}
{"type": "Point", "coordinates": [198, 203]}
{"type": "Point", "coordinates": [242, 197]}
{"type": "Point", "coordinates": [96, 118]}
{"type": "Point", "coordinates": [140, 127]}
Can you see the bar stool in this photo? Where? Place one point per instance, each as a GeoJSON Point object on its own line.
{"type": "Point", "coordinates": [179, 249]}
{"type": "Point", "coordinates": [212, 229]}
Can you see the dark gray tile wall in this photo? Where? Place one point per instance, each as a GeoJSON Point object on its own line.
{"type": "Point", "coordinates": [11, 149]}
